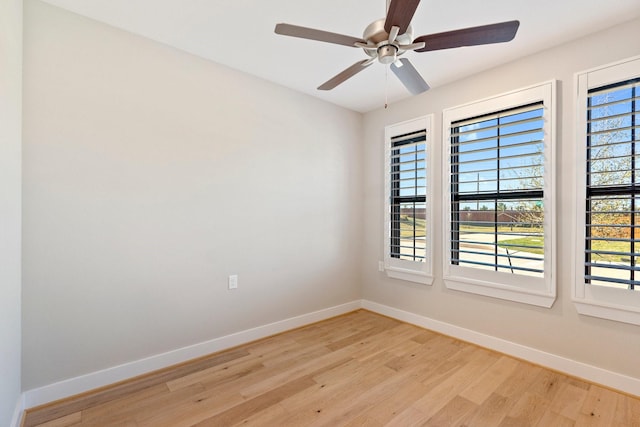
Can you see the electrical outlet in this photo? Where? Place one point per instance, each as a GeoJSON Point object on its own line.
{"type": "Point", "coordinates": [233, 281]}
{"type": "Point", "coordinates": [380, 265]}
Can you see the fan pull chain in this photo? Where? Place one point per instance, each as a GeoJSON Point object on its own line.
{"type": "Point", "coordinates": [386, 86]}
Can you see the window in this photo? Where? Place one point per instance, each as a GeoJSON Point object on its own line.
{"type": "Point", "coordinates": [499, 208]}
{"type": "Point", "coordinates": [408, 204]}
{"type": "Point", "coordinates": [608, 267]}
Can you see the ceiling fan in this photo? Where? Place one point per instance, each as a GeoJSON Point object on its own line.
{"type": "Point", "coordinates": [388, 38]}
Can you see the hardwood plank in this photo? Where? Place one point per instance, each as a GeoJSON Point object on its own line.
{"type": "Point", "coordinates": [410, 417]}
{"type": "Point", "coordinates": [452, 413]}
{"type": "Point", "coordinates": [598, 408]}
{"type": "Point", "coordinates": [460, 369]}
{"type": "Point", "coordinates": [126, 406]}
{"type": "Point", "coordinates": [354, 371]}
{"type": "Point", "coordinates": [383, 341]}
{"type": "Point", "coordinates": [484, 386]}
{"type": "Point", "coordinates": [352, 339]}
{"type": "Point", "coordinates": [276, 354]}
{"type": "Point", "coordinates": [388, 410]}
{"type": "Point", "coordinates": [554, 419]}
{"type": "Point", "coordinates": [424, 335]}
{"type": "Point", "coordinates": [335, 392]}
{"type": "Point", "coordinates": [627, 411]}
{"type": "Point", "coordinates": [241, 384]}
{"type": "Point", "coordinates": [216, 373]}
{"type": "Point", "coordinates": [455, 380]}
{"type": "Point", "coordinates": [519, 381]}
{"type": "Point", "coordinates": [367, 400]}
{"type": "Point", "coordinates": [492, 411]}
{"type": "Point", "coordinates": [527, 411]}
{"type": "Point", "coordinates": [259, 403]}
{"type": "Point", "coordinates": [430, 356]}
{"type": "Point", "coordinates": [569, 401]}
{"type": "Point", "coordinates": [311, 364]}
{"type": "Point", "coordinates": [546, 384]}
{"type": "Point", "coordinates": [363, 420]}
{"type": "Point", "coordinates": [66, 421]}
{"type": "Point", "coordinates": [187, 410]}
{"type": "Point", "coordinates": [274, 415]}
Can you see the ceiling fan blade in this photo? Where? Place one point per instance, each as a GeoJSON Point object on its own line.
{"type": "Point", "coordinates": [409, 76]}
{"type": "Point", "coordinates": [400, 14]}
{"type": "Point", "coordinates": [319, 35]}
{"type": "Point", "coordinates": [485, 34]}
{"type": "Point", "coordinates": [346, 74]}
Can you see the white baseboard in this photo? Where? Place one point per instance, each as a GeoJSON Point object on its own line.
{"type": "Point", "coordinates": [81, 384]}
{"type": "Point", "coordinates": [571, 367]}
{"type": "Point", "coordinates": [16, 420]}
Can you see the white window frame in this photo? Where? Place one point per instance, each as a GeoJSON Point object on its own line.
{"type": "Point", "coordinates": [539, 291]}
{"type": "Point", "coordinates": [413, 271]}
{"type": "Point", "coordinates": [598, 301]}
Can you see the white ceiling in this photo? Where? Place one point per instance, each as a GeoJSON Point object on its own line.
{"type": "Point", "coordinates": [239, 34]}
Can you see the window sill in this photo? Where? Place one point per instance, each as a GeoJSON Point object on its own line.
{"type": "Point", "coordinates": [620, 305]}
{"type": "Point", "coordinates": [409, 275]}
{"type": "Point", "coordinates": [606, 311]}
{"type": "Point", "coordinates": [500, 291]}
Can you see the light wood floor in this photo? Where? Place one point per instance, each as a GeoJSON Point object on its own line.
{"type": "Point", "coordinates": [360, 369]}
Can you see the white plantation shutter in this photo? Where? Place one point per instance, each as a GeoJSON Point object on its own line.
{"type": "Point", "coordinates": [499, 196]}
{"type": "Point", "coordinates": [408, 225]}
{"type": "Point", "coordinates": [497, 191]}
{"type": "Point", "coordinates": [408, 196]}
{"type": "Point", "coordinates": [612, 233]}
{"type": "Point", "coordinates": [607, 200]}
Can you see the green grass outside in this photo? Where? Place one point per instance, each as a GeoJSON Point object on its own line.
{"type": "Point", "coordinates": [610, 246]}
{"type": "Point", "coordinates": [537, 241]}
{"type": "Point", "coordinates": [613, 246]}
{"type": "Point", "coordinates": [407, 225]}
{"type": "Point", "coordinates": [501, 229]}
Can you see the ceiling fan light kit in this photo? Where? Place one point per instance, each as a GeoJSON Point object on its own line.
{"type": "Point", "coordinates": [389, 38]}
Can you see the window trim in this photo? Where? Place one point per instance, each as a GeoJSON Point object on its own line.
{"type": "Point", "coordinates": [530, 290]}
{"type": "Point", "coordinates": [615, 304]}
{"type": "Point", "coordinates": [418, 272]}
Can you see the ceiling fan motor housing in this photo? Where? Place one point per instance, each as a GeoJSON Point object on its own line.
{"type": "Point", "coordinates": [386, 52]}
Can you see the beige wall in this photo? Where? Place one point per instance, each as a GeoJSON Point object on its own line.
{"type": "Point", "coordinates": [559, 330]}
{"type": "Point", "coordinates": [10, 164]}
{"type": "Point", "coordinates": [151, 175]}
